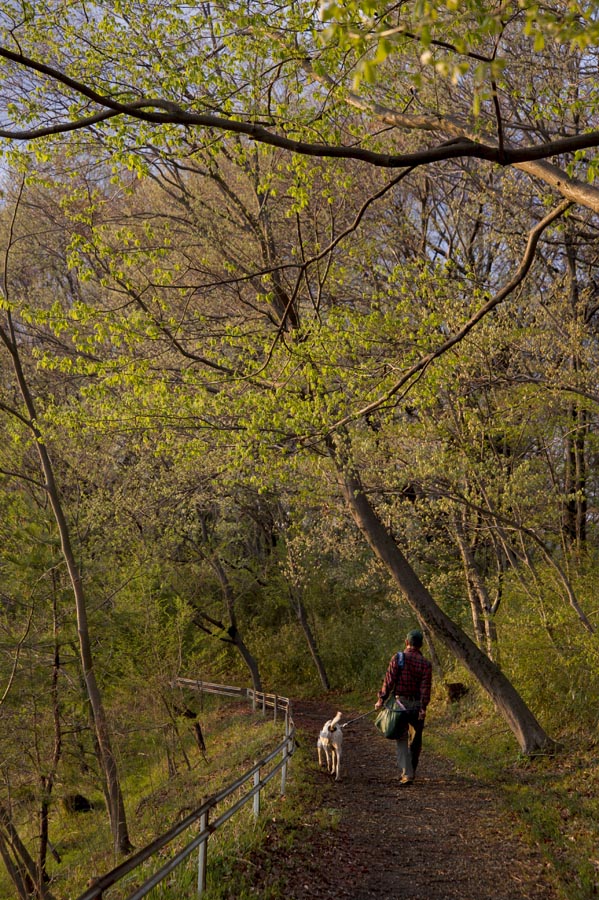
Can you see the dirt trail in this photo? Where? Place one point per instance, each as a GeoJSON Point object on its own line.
{"type": "Point", "coordinates": [443, 837]}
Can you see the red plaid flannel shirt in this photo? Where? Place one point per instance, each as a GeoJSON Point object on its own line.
{"type": "Point", "coordinates": [414, 680]}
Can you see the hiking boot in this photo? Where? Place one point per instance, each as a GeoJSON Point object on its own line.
{"type": "Point", "coordinates": [406, 780]}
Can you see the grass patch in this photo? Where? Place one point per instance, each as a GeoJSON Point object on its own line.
{"type": "Point", "coordinates": [245, 856]}
{"type": "Point", "coordinates": [252, 866]}
{"type": "Point", "coordinates": [157, 798]}
{"type": "Point", "coordinates": [553, 799]}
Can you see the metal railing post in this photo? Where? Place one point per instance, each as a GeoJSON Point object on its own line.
{"type": "Point", "coordinates": [257, 794]}
{"type": "Point", "coordinates": [284, 768]}
{"type": "Point", "coordinates": [202, 855]}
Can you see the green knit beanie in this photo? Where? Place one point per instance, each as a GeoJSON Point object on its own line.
{"type": "Point", "coordinates": [415, 638]}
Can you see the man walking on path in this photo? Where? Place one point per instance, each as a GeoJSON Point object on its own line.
{"type": "Point", "coordinates": [409, 678]}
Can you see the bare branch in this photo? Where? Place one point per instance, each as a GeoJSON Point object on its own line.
{"type": "Point", "coordinates": [16, 657]}
{"type": "Point", "coordinates": [509, 288]}
{"type": "Point", "coordinates": [531, 533]}
{"type": "Point", "coordinates": [530, 158]}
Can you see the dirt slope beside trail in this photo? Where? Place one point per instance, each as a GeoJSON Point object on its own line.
{"type": "Point", "coordinates": [443, 837]}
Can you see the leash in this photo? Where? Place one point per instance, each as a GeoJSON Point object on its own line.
{"type": "Point", "coordinates": [363, 716]}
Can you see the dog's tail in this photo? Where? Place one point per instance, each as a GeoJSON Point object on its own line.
{"type": "Point", "coordinates": [334, 721]}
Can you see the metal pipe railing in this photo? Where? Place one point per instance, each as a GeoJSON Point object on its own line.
{"type": "Point", "coordinates": [202, 814]}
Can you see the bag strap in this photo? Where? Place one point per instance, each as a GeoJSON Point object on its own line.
{"type": "Point", "coordinates": [400, 664]}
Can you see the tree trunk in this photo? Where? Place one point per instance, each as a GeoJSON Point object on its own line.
{"type": "Point", "coordinates": [176, 732]}
{"type": "Point", "coordinates": [22, 883]}
{"type": "Point", "coordinates": [116, 808]}
{"type": "Point", "coordinates": [431, 651]}
{"type": "Point", "coordinates": [248, 658]}
{"type": "Point", "coordinates": [529, 734]}
{"type": "Point", "coordinates": [118, 822]}
{"type": "Point", "coordinates": [20, 865]}
{"type": "Point", "coordinates": [302, 617]}
{"type": "Point", "coordinates": [484, 628]}
{"type": "Point", "coordinates": [233, 631]}
{"type": "Point", "coordinates": [47, 780]}
{"type": "Point", "coordinates": [575, 506]}
{"type": "Point", "coordinates": [477, 613]}
{"type": "Point", "coordinates": [295, 592]}
{"type": "Point", "coordinates": [575, 480]}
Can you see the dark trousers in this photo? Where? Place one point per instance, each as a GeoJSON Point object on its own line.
{"type": "Point", "coordinates": [415, 738]}
{"type": "Point", "coordinates": [409, 743]}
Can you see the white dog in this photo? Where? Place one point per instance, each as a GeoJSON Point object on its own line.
{"type": "Point", "coordinates": [330, 744]}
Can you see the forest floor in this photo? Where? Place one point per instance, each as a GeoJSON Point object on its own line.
{"type": "Point", "coordinates": [446, 836]}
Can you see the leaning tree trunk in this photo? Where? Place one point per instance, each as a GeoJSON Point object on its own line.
{"type": "Point", "coordinates": [233, 632]}
{"type": "Point", "coordinates": [528, 732]}
{"type": "Point", "coordinates": [248, 658]}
